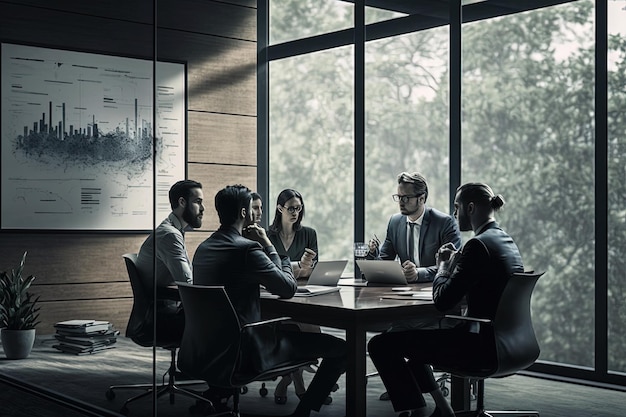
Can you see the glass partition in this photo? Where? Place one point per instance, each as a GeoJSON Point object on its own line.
{"type": "Point", "coordinates": [86, 72]}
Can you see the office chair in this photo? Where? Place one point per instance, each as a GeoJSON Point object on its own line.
{"type": "Point", "coordinates": [140, 330]}
{"type": "Point", "coordinates": [212, 343]}
{"type": "Point", "coordinates": [516, 344]}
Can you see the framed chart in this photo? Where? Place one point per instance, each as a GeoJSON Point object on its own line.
{"type": "Point", "coordinates": [77, 139]}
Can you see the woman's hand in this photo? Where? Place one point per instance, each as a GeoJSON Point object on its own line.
{"type": "Point", "coordinates": [307, 258]}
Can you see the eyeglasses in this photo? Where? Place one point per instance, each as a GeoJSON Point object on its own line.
{"type": "Point", "coordinates": [404, 198]}
{"type": "Point", "coordinates": [294, 209]}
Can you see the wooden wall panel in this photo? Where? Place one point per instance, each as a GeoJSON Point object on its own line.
{"type": "Point", "coordinates": [136, 11]}
{"type": "Point", "coordinates": [195, 238]}
{"type": "Point", "coordinates": [213, 179]}
{"type": "Point", "coordinates": [69, 258]}
{"type": "Point", "coordinates": [221, 73]}
{"type": "Point", "coordinates": [208, 17]}
{"type": "Point", "coordinates": [248, 3]}
{"type": "Point", "coordinates": [65, 30]}
{"type": "Point", "coordinates": [232, 139]}
{"type": "Point", "coordinates": [88, 291]}
{"type": "Point", "coordinates": [221, 18]}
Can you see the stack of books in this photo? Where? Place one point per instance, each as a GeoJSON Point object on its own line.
{"type": "Point", "coordinates": [85, 337]}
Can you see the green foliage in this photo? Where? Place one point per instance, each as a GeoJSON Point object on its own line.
{"type": "Point", "coordinates": [18, 310]}
{"type": "Point", "coordinates": [528, 130]}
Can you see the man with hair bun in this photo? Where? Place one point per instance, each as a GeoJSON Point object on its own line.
{"type": "Point", "coordinates": [479, 272]}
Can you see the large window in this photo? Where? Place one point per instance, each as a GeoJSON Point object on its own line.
{"type": "Point", "coordinates": [312, 145]}
{"type": "Point", "coordinates": [528, 128]}
{"type": "Point", "coordinates": [405, 130]}
{"type": "Point", "coordinates": [617, 186]}
{"type": "Point", "coordinates": [528, 132]}
{"type": "Point", "coordinates": [295, 19]}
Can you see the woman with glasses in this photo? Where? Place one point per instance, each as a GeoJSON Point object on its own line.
{"type": "Point", "coordinates": [291, 238]}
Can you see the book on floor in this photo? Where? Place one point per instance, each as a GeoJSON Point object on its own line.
{"type": "Point", "coordinates": [82, 326]}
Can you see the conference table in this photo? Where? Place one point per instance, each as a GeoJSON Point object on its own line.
{"type": "Point", "coordinates": [357, 310]}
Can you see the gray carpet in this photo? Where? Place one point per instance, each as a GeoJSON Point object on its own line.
{"type": "Point", "coordinates": [86, 378]}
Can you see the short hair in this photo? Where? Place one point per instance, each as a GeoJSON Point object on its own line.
{"type": "Point", "coordinates": [182, 189]}
{"type": "Point", "coordinates": [230, 200]}
{"type": "Point", "coordinates": [284, 196]}
{"type": "Point", "coordinates": [256, 196]}
{"type": "Point", "coordinates": [417, 181]}
{"type": "Point", "coordinates": [481, 194]}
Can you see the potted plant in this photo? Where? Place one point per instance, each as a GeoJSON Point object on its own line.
{"type": "Point", "coordinates": [19, 313]}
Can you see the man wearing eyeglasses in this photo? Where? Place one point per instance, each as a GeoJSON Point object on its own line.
{"type": "Point", "coordinates": [416, 233]}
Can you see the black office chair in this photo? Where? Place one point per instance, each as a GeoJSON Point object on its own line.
{"type": "Point", "coordinates": [140, 330]}
{"type": "Point", "coordinates": [211, 348]}
{"type": "Point", "coordinates": [516, 344]}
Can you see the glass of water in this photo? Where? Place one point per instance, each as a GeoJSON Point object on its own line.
{"type": "Point", "coordinates": [360, 250]}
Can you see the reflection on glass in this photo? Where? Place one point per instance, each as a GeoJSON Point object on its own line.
{"type": "Point", "coordinates": [528, 131]}
{"type": "Point", "coordinates": [617, 183]}
{"type": "Point", "coordinates": [312, 143]}
{"type": "Point", "coordinates": [406, 107]}
{"type": "Point", "coordinates": [296, 19]}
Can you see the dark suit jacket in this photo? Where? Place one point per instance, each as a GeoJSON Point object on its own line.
{"type": "Point", "coordinates": [240, 265]}
{"type": "Point", "coordinates": [437, 229]}
{"type": "Point", "coordinates": [485, 264]}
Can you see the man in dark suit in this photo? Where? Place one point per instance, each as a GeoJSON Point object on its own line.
{"type": "Point", "coordinates": [241, 264]}
{"type": "Point", "coordinates": [416, 233]}
{"type": "Point", "coordinates": [478, 272]}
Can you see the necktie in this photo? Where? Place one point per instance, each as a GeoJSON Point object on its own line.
{"type": "Point", "coordinates": [412, 242]}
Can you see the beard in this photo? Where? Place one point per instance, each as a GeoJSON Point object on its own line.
{"type": "Point", "coordinates": [193, 221]}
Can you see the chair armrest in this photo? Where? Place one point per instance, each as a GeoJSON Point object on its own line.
{"type": "Point", "coordinates": [264, 322]}
{"type": "Point", "coordinates": [466, 318]}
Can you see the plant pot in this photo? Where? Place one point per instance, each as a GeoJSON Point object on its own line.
{"type": "Point", "coordinates": [17, 344]}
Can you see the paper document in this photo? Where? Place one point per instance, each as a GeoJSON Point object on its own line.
{"type": "Point", "coordinates": [310, 290]}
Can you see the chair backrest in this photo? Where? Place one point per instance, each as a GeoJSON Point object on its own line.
{"type": "Point", "coordinates": [516, 343]}
{"type": "Point", "coordinates": [140, 323]}
{"type": "Point", "coordinates": [210, 348]}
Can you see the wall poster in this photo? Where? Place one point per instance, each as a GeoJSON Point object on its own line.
{"type": "Point", "coordinates": [76, 144]}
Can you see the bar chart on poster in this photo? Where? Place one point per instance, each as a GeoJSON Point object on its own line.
{"type": "Point", "coordinates": [78, 135]}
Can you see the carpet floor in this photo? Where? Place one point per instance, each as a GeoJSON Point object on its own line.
{"type": "Point", "coordinates": [85, 380]}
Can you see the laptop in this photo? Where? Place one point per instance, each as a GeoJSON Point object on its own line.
{"type": "Point", "coordinates": [323, 279]}
{"type": "Point", "coordinates": [381, 273]}
{"type": "Point", "coordinates": [327, 273]}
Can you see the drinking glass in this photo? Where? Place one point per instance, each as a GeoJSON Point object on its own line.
{"type": "Point", "coordinates": [360, 250]}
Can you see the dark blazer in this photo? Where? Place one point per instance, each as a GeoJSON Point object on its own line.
{"type": "Point", "coordinates": [240, 265]}
{"type": "Point", "coordinates": [437, 229]}
{"type": "Point", "coordinates": [485, 264]}
{"type": "Point", "coordinates": [306, 237]}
